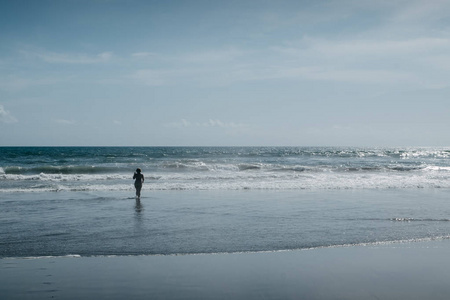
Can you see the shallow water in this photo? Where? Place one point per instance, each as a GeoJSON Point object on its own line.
{"type": "Point", "coordinates": [182, 222]}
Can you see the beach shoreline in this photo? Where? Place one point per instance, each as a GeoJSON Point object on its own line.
{"type": "Point", "coordinates": [414, 270]}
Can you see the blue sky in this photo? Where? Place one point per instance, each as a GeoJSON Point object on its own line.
{"type": "Point", "coordinates": [224, 73]}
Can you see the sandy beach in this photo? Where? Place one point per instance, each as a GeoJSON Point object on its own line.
{"type": "Point", "coordinates": [418, 270]}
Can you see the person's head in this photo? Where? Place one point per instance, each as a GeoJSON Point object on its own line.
{"type": "Point", "coordinates": [138, 170]}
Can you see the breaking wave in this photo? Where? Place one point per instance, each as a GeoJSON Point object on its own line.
{"type": "Point", "coordinates": [226, 168]}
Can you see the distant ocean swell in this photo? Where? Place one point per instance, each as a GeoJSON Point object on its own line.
{"type": "Point", "coordinates": [201, 166]}
{"type": "Point", "coordinates": [229, 168]}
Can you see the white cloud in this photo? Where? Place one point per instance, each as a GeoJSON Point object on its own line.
{"type": "Point", "coordinates": [386, 61]}
{"type": "Point", "coordinates": [15, 83]}
{"type": "Point", "coordinates": [180, 124]}
{"type": "Point", "coordinates": [420, 10]}
{"type": "Point", "coordinates": [70, 58]}
{"type": "Point", "coordinates": [439, 61]}
{"type": "Point", "coordinates": [214, 56]}
{"type": "Point", "coordinates": [143, 54]}
{"type": "Point", "coordinates": [349, 75]}
{"type": "Point", "coordinates": [64, 122]}
{"type": "Point", "coordinates": [183, 123]}
{"type": "Point", "coordinates": [6, 116]}
{"type": "Point", "coordinates": [354, 59]}
{"type": "Point", "coordinates": [151, 77]}
{"type": "Point", "coordinates": [218, 123]}
{"type": "Point", "coordinates": [369, 47]}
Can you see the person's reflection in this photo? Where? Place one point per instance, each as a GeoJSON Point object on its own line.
{"type": "Point", "coordinates": [138, 206]}
{"type": "Point", "coordinates": [138, 218]}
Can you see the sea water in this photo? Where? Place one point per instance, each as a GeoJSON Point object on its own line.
{"type": "Point", "coordinates": [58, 201]}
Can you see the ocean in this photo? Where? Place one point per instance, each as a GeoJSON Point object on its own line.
{"type": "Point", "coordinates": [79, 201]}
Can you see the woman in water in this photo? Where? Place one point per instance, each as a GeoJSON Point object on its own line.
{"type": "Point", "coordinates": [138, 182]}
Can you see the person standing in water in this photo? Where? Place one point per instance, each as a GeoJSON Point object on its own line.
{"type": "Point", "coordinates": [138, 182]}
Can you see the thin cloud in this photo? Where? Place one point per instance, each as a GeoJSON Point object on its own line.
{"type": "Point", "coordinates": [64, 122]}
{"type": "Point", "coordinates": [150, 77]}
{"type": "Point", "coordinates": [424, 11]}
{"type": "Point", "coordinates": [214, 56]}
{"type": "Point", "coordinates": [218, 123]}
{"type": "Point", "coordinates": [367, 47]}
{"type": "Point", "coordinates": [143, 54]}
{"type": "Point", "coordinates": [377, 61]}
{"type": "Point", "coordinates": [6, 116]}
{"type": "Point", "coordinates": [385, 61]}
{"type": "Point", "coordinates": [439, 61]}
{"type": "Point", "coordinates": [70, 58]}
{"type": "Point", "coordinates": [16, 83]}
{"type": "Point", "coordinates": [348, 75]}
{"type": "Point", "coordinates": [183, 123]}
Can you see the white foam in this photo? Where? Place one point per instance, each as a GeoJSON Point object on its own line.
{"type": "Point", "coordinates": [45, 257]}
{"type": "Point", "coordinates": [230, 177]}
{"type": "Point", "coordinates": [66, 177]}
{"type": "Point", "coordinates": [437, 168]}
{"type": "Point", "coordinates": [227, 182]}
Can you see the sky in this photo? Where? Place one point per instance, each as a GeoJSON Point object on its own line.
{"type": "Point", "coordinates": [225, 73]}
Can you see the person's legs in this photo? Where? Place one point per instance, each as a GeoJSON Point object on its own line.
{"type": "Point", "coordinates": [138, 191]}
{"type": "Point", "coordinates": [138, 187]}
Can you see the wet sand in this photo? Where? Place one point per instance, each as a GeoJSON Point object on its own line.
{"type": "Point", "coordinates": [417, 270]}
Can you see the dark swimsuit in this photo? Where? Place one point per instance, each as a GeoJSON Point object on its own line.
{"type": "Point", "coordinates": [138, 182]}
